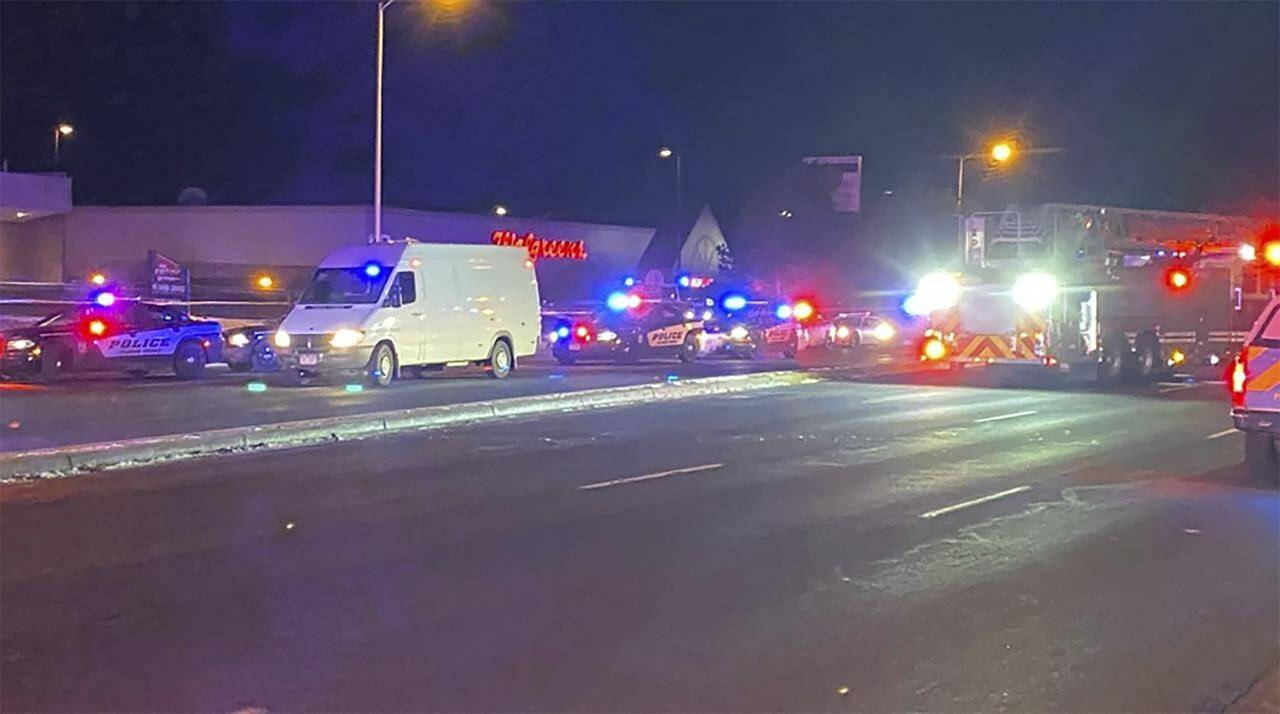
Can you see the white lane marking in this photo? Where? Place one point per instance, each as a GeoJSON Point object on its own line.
{"type": "Point", "coordinates": [1176, 388]}
{"type": "Point", "coordinates": [1220, 434]}
{"type": "Point", "coordinates": [1002, 417]}
{"type": "Point", "coordinates": [901, 397]}
{"type": "Point", "coordinates": [974, 502]}
{"type": "Point", "coordinates": [649, 477]}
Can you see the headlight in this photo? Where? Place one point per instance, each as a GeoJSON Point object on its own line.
{"type": "Point", "coordinates": [606, 336]}
{"type": "Point", "coordinates": [739, 333]}
{"type": "Point", "coordinates": [842, 332]}
{"type": "Point", "coordinates": [935, 291]}
{"type": "Point", "coordinates": [346, 338]}
{"type": "Point", "coordinates": [282, 338]}
{"type": "Point", "coordinates": [883, 332]}
{"type": "Point", "coordinates": [238, 339]}
{"type": "Point", "coordinates": [1035, 291]}
{"type": "Point", "coordinates": [20, 344]}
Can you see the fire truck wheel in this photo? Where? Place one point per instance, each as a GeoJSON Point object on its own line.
{"type": "Point", "coordinates": [1261, 456]}
{"type": "Point", "coordinates": [1146, 349]}
{"type": "Point", "coordinates": [1116, 362]}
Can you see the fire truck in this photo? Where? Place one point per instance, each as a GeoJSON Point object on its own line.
{"type": "Point", "coordinates": [1115, 295]}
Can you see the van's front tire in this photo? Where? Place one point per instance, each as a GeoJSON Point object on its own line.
{"type": "Point", "coordinates": [1262, 456]}
{"type": "Point", "coordinates": [382, 366]}
{"type": "Point", "coordinates": [501, 361]}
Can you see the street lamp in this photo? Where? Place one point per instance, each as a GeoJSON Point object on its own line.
{"type": "Point", "coordinates": [60, 130]}
{"type": "Point", "coordinates": [499, 210]}
{"type": "Point", "coordinates": [666, 152]}
{"type": "Point", "coordinates": [377, 131]}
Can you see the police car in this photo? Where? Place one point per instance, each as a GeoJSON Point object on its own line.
{"type": "Point", "coordinates": [640, 329]}
{"type": "Point", "coordinates": [112, 335]}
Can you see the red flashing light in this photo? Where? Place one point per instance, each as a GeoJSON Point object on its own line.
{"type": "Point", "coordinates": [1271, 252]}
{"type": "Point", "coordinates": [94, 328]}
{"type": "Point", "coordinates": [1238, 379]}
{"type": "Point", "coordinates": [582, 333]}
{"type": "Point", "coordinates": [1177, 278]}
{"type": "Point", "coordinates": [933, 350]}
{"type": "Point", "coordinates": [802, 310]}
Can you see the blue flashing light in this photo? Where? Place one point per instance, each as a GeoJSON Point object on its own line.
{"type": "Point", "coordinates": [734, 302]}
{"type": "Point", "coordinates": [629, 281]}
{"type": "Point", "coordinates": [783, 311]}
{"type": "Point", "coordinates": [562, 331]}
{"type": "Point", "coordinates": [617, 302]}
{"type": "Point", "coordinates": [105, 299]}
{"type": "Point", "coordinates": [372, 269]}
{"type": "Point", "coordinates": [684, 281]}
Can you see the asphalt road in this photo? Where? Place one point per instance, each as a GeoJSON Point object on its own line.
{"type": "Point", "coordinates": [816, 548]}
{"type": "Point", "coordinates": [96, 408]}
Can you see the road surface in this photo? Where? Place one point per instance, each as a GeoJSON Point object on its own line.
{"type": "Point", "coordinates": [100, 408]}
{"type": "Point", "coordinates": [836, 547]}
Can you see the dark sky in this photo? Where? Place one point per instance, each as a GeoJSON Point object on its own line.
{"type": "Point", "coordinates": [558, 108]}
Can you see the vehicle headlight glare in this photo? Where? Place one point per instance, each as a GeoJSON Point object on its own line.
{"type": "Point", "coordinates": [281, 339]}
{"type": "Point", "coordinates": [346, 338]}
{"type": "Point", "coordinates": [842, 332]}
{"type": "Point", "coordinates": [883, 332]}
{"type": "Point", "coordinates": [738, 333]}
{"type": "Point", "coordinates": [238, 339]}
{"type": "Point", "coordinates": [20, 344]}
{"type": "Point", "coordinates": [607, 336]}
{"type": "Point", "coordinates": [936, 291]}
{"type": "Point", "coordinates": [1035, 291]}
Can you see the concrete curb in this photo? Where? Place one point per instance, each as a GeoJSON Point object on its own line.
{"type": "Point", "coordinates": [79, 458]}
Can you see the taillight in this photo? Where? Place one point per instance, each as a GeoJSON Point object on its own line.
{"type": "Point", "coordinates": [1239, 378]}
{"type": "Point", "coordinates": [582, 333]}
{"type": "Point", "coordinates": [932, 349]}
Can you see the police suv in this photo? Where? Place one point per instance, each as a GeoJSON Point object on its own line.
{"type": "Point", "coordinates": [112, 335]}
{"type": "Point", "coordinates": [645, 329]}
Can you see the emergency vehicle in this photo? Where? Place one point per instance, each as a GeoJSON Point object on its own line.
{"type": "Point", "coordinates": [110, 334]}
{"type": "Point", "coordinates": [1255, 394]}
{"type": "Point", "coordinates": [632, 328]}
{"type": "Point", "coordinates": [1101, 293]}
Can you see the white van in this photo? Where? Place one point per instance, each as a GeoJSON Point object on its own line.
{"type": "Point", "coordinates": [389, 308]}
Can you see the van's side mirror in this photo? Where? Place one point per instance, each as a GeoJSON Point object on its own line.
{"type": "Point", "coordinates": [393, 297]}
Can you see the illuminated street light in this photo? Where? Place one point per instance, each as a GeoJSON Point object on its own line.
{"type": "Point", "coordinates": [666, 152]}
{"type": "Point", "coordinates": [499, 210]}
{"type": "Point", "coordinates": [1001, 152]}
{"type": "Point", "coordinates": [265, 282]}
{"type": "Point", "coordinates": [59, 131]}
{"type": "Point", "coordinates": [98, 278]}
{"type": "Point", "coordinates": [1248, 253]}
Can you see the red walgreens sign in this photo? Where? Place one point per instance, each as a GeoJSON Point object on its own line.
{"type": "Point", "coordinates": [542, 247]}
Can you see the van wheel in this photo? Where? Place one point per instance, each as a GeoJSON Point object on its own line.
{"type": "Point", "coordinates": [189, 360]}
{"type": "Point", "coordinates": [382, 366]}
{"type": "Point", "coordinates": [689, 349]}
{"type": "Point", "coordinates": [501, 361]}
{"type": "Point", "coordinates": [1261, 456]}
{"type": "Point", "coordinates": [55, 360]}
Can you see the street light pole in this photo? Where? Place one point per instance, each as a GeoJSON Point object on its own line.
{"type": "Point", "coordinates": [59, 131]}
{"type": "Point", "coordinates": [377, 130]}
{"type": "Point", "coordinates": [666, 152]}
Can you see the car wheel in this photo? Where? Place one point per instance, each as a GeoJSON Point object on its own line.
{"type": "Point", "coordinates": [501, 361]}
{"type": "Point", "coordinates": [382, 366]}
{"type": "Point", "coordinates": [1261, 456]}
{"type": "Point", "coordinates": [689, 349]}
{"type": "Point", "coordinates": [54, 362]}
{"type": "Point", "coordinates": [189, 360]}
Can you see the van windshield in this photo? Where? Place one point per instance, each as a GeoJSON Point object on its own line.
{"type": "Point", "coordinates": [344, 286]}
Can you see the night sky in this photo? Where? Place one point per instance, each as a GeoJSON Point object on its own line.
{"type": "Point", "coordinates": [557, 109]}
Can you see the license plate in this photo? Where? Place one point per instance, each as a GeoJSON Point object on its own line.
{"type": "Point", "coordinates": [308, 360]}
{"type": "Point", "coordinates": [574, 348]}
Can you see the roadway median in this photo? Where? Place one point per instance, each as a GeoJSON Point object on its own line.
{"type": "Point", "coordinates": [123, 453]}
